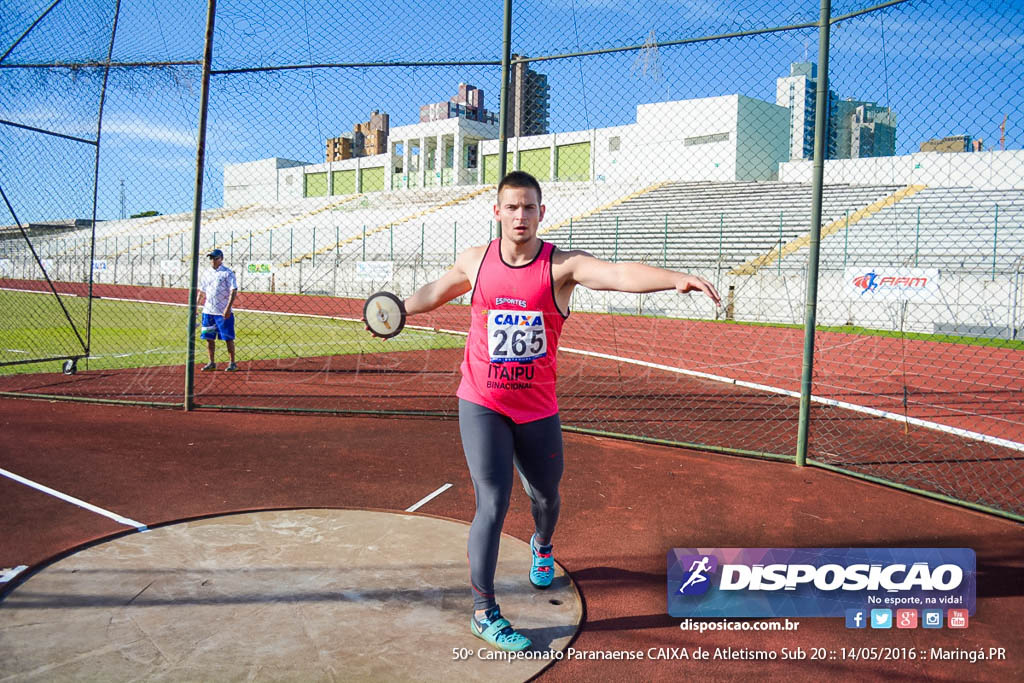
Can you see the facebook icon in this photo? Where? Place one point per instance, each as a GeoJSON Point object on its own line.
{"type": "Point", "coordinates": [856, 618]}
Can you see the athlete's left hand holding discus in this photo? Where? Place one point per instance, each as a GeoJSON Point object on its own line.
{"type": "Point", "coordinates": [384, 315]}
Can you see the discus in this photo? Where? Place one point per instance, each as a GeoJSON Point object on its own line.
{"type": "Point", "coordinates": [384, 314]}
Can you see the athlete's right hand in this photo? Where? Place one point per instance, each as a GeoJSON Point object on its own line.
{"type": "Point", "coordinates": [691, 283]}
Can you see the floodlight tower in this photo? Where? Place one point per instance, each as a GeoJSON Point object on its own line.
{"type": "Point", "coordinates": [647, 62]}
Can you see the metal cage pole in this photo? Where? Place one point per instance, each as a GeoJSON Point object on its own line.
{"type": "Point", "coordinates": [96, 179]}
{"type": "Point", "coordinates": [506, 58]}
{"type": "Point", "coordinates": [204, 100]}
{"type": "Point", "coordinates": [810, 318]}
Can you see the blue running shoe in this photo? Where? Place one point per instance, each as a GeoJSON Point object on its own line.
{"type": "Point", "coordinates": [496, 630]}
{"type": "Point", "coordinates": [543, 570]}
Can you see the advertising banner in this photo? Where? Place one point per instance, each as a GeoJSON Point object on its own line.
{"type": "Point", "coordinates": [817, 582]}
{"type": "Point", "coordinates": [892, 284]}
{"type": "Point", "coordinates": [376, 271]}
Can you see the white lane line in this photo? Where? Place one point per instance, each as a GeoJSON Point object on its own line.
{"type": "Point", "coordinates": [427, 499]}
{"type": "Point", "coordinates": [8, 573]}
{"type": "Point", "coordinates": [896, 417]}
{"type": "Point", "coordinates": [74, 501]}
{"type": "Point", "coordinates": [315, 316]}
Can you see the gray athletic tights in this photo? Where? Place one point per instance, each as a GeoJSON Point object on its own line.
{"type": "Point", "coordinates": [494, 443]}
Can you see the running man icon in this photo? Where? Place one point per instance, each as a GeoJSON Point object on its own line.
{"type": "Point", "coordinates": [699, 568]}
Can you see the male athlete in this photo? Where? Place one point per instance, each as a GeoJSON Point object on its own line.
{"type": "Point", "coordinates": [217, 290]}
{"type": "Point", "coordinates": [508, 413]}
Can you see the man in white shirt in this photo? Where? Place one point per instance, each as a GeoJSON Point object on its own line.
{"type": "Point", "coordinates": [217, 289]}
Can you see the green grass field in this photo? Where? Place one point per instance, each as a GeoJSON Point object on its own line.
{"type": "Point", "coordinates": [128, 335]}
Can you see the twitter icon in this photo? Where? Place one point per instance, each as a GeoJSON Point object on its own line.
{"type": "Point", "coordinates": [881, 618]}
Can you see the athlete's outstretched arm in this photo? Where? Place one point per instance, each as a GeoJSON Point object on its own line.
{"type": "Point", "coordinates": [593, 273]}
{"type": "Point", "coordinates": [452, 284]}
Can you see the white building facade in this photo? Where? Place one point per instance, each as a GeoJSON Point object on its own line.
{"type": "Point", "coordinates": [726, 138]}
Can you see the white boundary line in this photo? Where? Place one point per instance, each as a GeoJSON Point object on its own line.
{"type": "Point", "coordinates": [875, 412]}
{"type": "Point", "coordinates": [1006, 443]}
{"type": "Point", "coordinates": [74, 501]}
{"type": "Point", "coordinates": [8, 573]}
{"type": "Point", "coordinates": [241, 310]}
{"type": "Point", "coordinates": [426, 499]}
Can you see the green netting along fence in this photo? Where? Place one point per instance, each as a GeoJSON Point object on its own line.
{"type": "Point", "coordinates": [866, 233]}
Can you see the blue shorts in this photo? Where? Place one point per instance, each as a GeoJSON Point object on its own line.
{"type": "Point", "coordinates": [217, 327]}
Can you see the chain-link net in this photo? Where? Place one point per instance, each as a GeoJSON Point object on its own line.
{"type": "Point", "coordinates": [355, 147]}
{"type": "Point", "coordinates": [929, 280]}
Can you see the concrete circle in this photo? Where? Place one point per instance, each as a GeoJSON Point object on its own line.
{"type": "Point", "coordinates": [283, 595]}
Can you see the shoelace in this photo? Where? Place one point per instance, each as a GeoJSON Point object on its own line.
{"type": "Point", "coordinates": [486, 622]}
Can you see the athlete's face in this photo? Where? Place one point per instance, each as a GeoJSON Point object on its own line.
{"type": "Point", "coordinates": [519, 212]}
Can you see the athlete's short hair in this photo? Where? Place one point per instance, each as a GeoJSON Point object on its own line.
{"type": "Point", "coordinates": [520, 179]}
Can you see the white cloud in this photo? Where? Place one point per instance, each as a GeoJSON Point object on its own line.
{"type": "Point", "coordinates": [128, 126]}
{"type": "Point", "coordinates": [134, 127]}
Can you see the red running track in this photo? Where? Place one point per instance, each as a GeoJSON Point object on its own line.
{"type": "Point", "coordinates": [946, 384]}
{"type": "Point", "coordinates": [975, 388]}
{"type": "Point", "coordinates": [624, 505]}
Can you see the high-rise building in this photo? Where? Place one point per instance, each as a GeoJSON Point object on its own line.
{"type": "Point", "coordinates": [467, 104]}
{"type": "Point", "coordinates": [798, 92]}
{"type": "Point", "coordinates": [367, 139]}
{"type": "Point", "coordinates": [953, 143]}
{"type": "Point", "coordinates": [855, 128]}
{"type": "Point", "coordinates": [527, 101]}
{"type": "Point", "coordinates": [872, 131]}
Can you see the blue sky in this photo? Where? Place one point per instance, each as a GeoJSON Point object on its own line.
{"type": "Point", "coordinates": [947, 68]}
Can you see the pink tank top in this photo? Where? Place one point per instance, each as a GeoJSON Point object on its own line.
{"type": "Point", "coordinates": [511, 353]}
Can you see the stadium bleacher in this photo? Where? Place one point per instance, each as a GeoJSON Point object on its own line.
{"type": "Point", "coordinates": [708, 224]}
{"type": "Point", "coordinates": [725, 226]}
{"type": "Point", "coordinates": [950, 228]}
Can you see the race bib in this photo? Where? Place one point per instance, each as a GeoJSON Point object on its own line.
{"type": "Point", "coordinates": [516, 336]}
